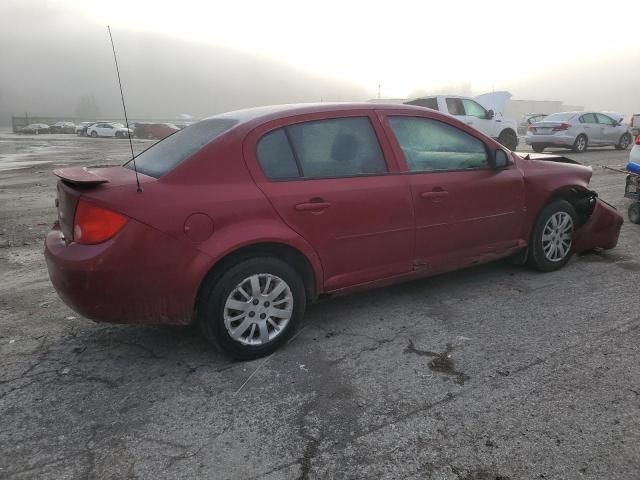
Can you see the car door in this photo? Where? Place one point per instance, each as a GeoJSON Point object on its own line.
{"type": "Point", "coordinates": [609, 129]}
{"type": "Point", "coordinates": [331, 179]}
{"type": "Point", "coordinates": [464, 209]}
{"type": "Point", "coordinates": [102, 129]}
{"type": "Point", "coordinates": [591, 128]}
{"type": "Point", "coordinates": [478, 117]}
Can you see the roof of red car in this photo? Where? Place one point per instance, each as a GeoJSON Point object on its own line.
{"type": "Point", "coordinates": [277, 111]}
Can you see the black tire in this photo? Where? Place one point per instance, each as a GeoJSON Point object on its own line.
{"type": "Point", "coordinates": [94, 134]}
{"type": "Point", "coordinates": [118, 135]}
{"type": "Point", "coordinates": [509, 139]}
{"type": "Point", "coordinates": [634, 212]}
{"type": "Point", "coordinates": [581, 144]}
{"type": "Point", "coordinates": [537, 148]}
{"type": "Point", "coordinates": [536, 257]}
{"type": "Point", "coordinates": [217, 290]}
{"type": "Point", "coordinates": [623, 144]}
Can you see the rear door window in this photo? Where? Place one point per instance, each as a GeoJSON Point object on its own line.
{"type": "Point", "coordinates": [430, 146]}
{"type": "Point", "coordinates": [588, 118]}
{"type": "Point", "coordinates": [425, 102]}
{"type": "Point", "coordinates": [167, 154]}
{"type": "Point", "coordinates": [455, 107]}
{"type": "Point", "coordinates": [332, 148]}
{"type": "Point", "coordinates": [275, 156]}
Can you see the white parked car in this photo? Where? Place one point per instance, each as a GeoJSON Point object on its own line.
{"type": "Point", "coordinates": [108, 129]}
{"type": "Point", "coordinates": [579, 131]}
{"type": "Point", "coordinates": [483, 113]}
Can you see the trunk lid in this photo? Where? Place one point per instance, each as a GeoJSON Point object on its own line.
{"type": "Point", "coordinates": [76, 181]}
{"type": "Point", "coordinates": [546, 127]}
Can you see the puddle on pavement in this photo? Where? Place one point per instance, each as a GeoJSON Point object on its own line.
{"type": "Point", "coordinates": [441, 363]}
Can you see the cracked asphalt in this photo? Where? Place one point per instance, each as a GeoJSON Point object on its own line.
{"type": "Point", "coordinates": [495, 372]}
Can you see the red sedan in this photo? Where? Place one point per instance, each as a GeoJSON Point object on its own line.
{"type": "Point", "coordinates": [245, 217]}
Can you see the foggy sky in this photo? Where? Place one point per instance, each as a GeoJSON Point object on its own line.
{"type": "Point", "coordinates": [51, 57]}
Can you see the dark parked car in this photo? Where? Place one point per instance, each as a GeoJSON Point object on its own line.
{"type": "Point", "coordinates": [81, 128]}
{"type": "Point", "coordinates": [63, 127]}
{"type": "Point", "coordinates": [36, 128]}
{"type": "Point", "coordinates": [154, 130]}
{"type": "Point", "coordinates": [245, 217]}
{"type": "Point", "coordinates": [527, 120]}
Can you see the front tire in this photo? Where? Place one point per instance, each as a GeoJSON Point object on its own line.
{"type": "Point", "coordinates": [537, 148]}
{"type": "Point", "coordinates": [552, 237]}
{"type": "Point", "coordinates": [252, 309]}
{"type": "Point", "coordinates": [624, 142]}
{"type": "Point", "coordinates": [509, 139]}
{"type": "Point", "coordinates": [581, 144]}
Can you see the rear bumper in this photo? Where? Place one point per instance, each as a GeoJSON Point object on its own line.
{"type": "Point", "coordinates": [139, 276]}
{"type": "Point", "coordinates": [550, 140]}
{"type": "Point", "coordinates": [601, 230]}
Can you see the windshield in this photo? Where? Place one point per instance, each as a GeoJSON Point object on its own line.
{"type": "Point", "coordinates": [167, 154]}
{"type": "Point", "coordinates": [559, 117]}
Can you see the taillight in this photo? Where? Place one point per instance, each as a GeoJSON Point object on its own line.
{"type": "Point", "coordinates": [531, 128]}
{"type": "Point", "coordinates": [564, 126]}
{"type": "Point", "coordinates": [638, 140]}
{"type": "Point", "coordinates": [95, 224]}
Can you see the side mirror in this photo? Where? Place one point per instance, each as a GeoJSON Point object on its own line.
{"type": "Point", "coordinates": [500, 160]}
{"type": "Point", "coordinates": [490, 114]}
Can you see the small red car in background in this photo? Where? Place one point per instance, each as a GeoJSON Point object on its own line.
{"type": "Point", "coordinates": [154, 130]}
{"type": "Point", "coordinates": [245, 217]}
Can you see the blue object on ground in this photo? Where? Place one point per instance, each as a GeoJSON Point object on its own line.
{"type": "Point", "coordinates": [633, 168]}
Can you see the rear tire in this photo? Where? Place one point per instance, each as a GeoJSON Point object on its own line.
{"type": "Point", "coordinates": [94, 134]}
{"type": "Point", "coordinates": [634, 212]}
{"type": "Point", "coordinates": [509, 139]}
{"type": "Point", "coordinates": [242, 312]}
{"type": "Point", "coordinates": [552, 237]}
{"type": "Point", "coordinates": [581, 144]}
{"type": "Point", "coordinates": [624, 142]}
{"type": "Point", "coordinates": [537, 148]}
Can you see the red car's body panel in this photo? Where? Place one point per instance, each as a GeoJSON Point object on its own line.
{"type": "Point", "coordinates": [369, 231]}
{"type": "Point", "coordinates": [155, 282]}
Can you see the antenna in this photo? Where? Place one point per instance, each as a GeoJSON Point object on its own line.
{"type": "Point", "coordinates": [133, 157]}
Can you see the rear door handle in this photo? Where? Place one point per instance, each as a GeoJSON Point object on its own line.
{"type": "Point", "coordinates": [435, 194]}
{"type": "Point", "coordinates": [312, 206]}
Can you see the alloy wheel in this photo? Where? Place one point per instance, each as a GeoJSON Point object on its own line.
{"type": "Point", "coordinates": [556, 236]}
{"type": "Point", "coordinates": [258, 309]}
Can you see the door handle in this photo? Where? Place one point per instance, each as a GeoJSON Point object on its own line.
{"type": "Point", "coordinates": [435, 194]}
{"type": "Point", "coordinates": [312, 206]}
{"type": "Point", "coordinates": [469, 123]}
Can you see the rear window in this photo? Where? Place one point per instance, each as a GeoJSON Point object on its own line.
{"type": "Point", "coordinates": [558, 117]}
{"type": "Point", "coordinates": [431, 103]}
{"type": "Point", "coordinates": [167, 154]}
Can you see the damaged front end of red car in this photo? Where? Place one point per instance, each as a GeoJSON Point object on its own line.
{"type": "Point", "coordinates": [601, 228]}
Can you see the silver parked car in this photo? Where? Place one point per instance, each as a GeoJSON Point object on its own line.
{"type": "Point", "coordinates": [578, 131]}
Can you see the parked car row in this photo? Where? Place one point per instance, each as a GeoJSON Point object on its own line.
{"type": "Point", "coordinates": [94, 129]}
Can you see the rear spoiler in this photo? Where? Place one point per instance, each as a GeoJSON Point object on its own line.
{"type": "Point", "coordinates": [548, 157]}
{"type": "Point", "coordinates": [79, 176]}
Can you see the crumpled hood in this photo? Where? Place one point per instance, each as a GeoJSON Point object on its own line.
{"type": "Point", "coordinates": [495, 101]}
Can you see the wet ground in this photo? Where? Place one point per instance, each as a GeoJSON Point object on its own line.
{"type": "Point", "coordinates": [495, 372]}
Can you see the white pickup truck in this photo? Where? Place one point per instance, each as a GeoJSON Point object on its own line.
{"type": "Point", "coordinates": [483, 113]}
